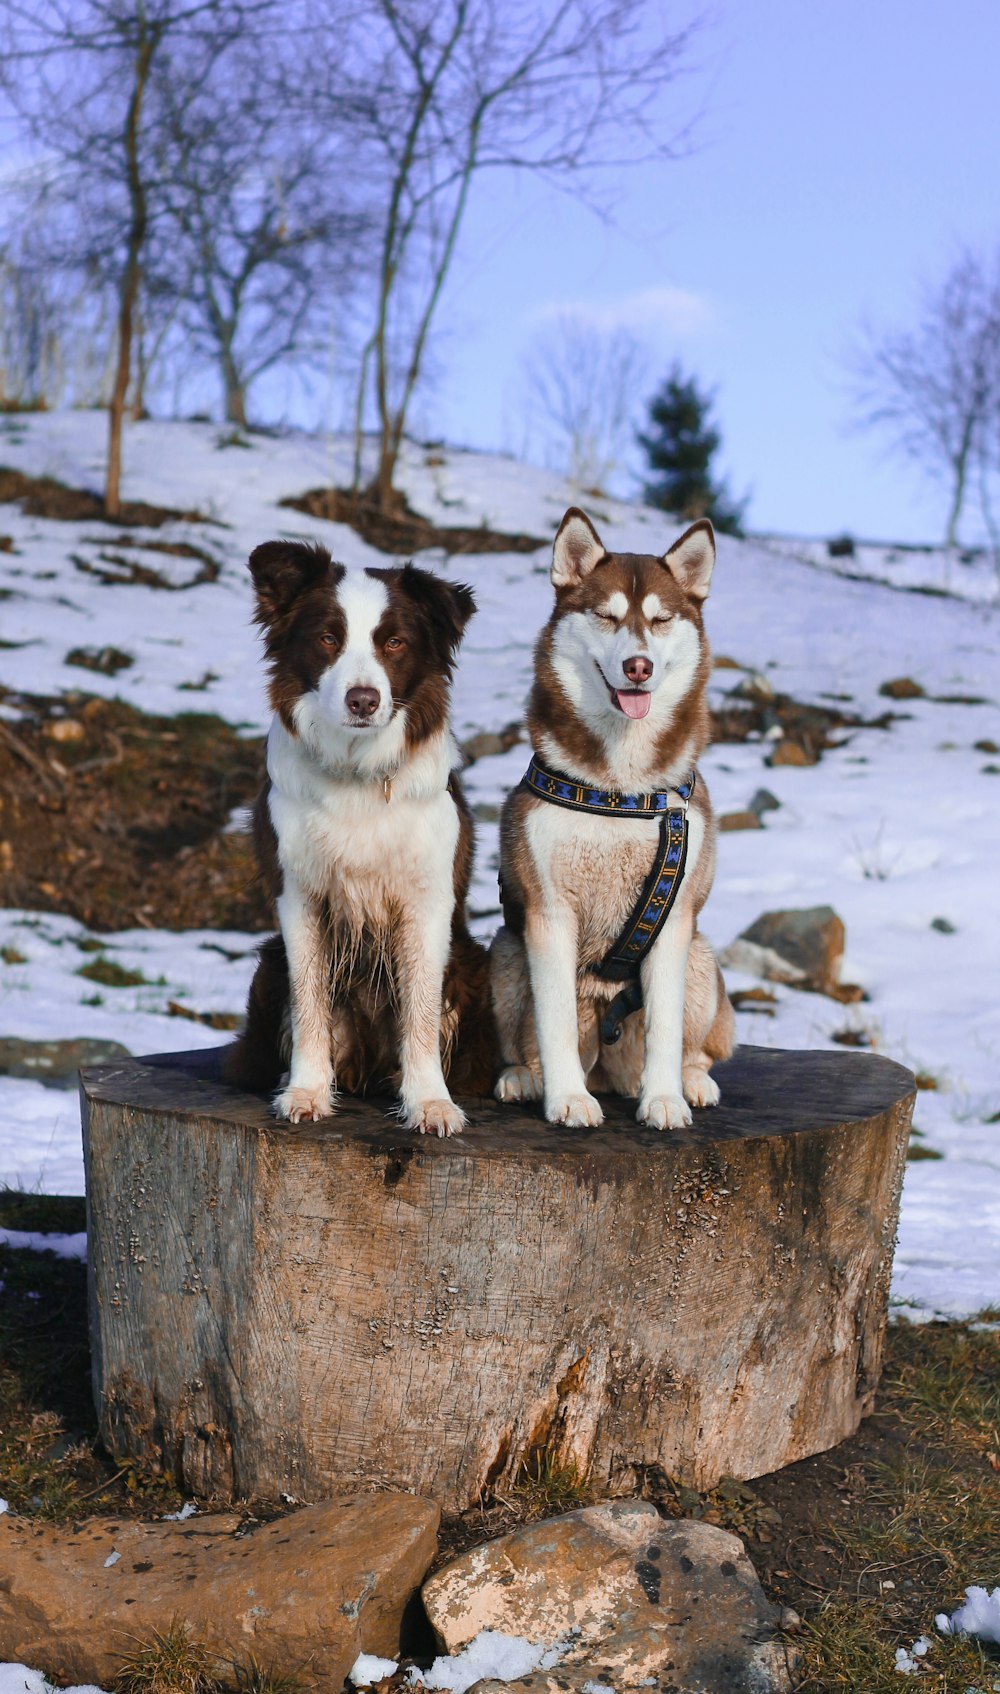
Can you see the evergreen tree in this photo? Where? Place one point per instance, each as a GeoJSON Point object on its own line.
{"type": "Point", "coordinates": [680, 445]}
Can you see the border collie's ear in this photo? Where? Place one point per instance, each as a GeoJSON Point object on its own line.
{"type": "Point", "coordinates": [282, 569]}
{"type": "Point", "coordinates": [576, 550]}
{"type": "Point", "coordinates": [692, 558]}
{"type": "Point", "coordinates": [448, 605]}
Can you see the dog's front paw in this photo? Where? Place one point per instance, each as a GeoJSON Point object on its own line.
{"type": "Point", "coordinates": [700, 1089]}
{"type": "Point", "coordinates": [663, 1111]}
{"type": "Point", "coordinates": [574, 1111]}
{"type": "Point", "coordinates": [518, 1082]}
{"type": "Point", "coordinates": [304, 1105]}
{"type": "Point", "coordinates": [436, 1117]}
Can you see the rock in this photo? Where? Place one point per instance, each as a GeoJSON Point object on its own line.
{"type": "Point", "coordinates": [310, 1590]}
{"type": "Point", "coordinates": [803, 948]}
{"type": "Point", "coordinates": [764, 801]}
{"type": "Point", "coordinates": [488, 742]}
{"type": "Point", "coordinates": [986, 746]}
{"type": "Point", "coordinates": [740, 820]}
{"type": "Point", "coordinates": [724, 662]}
{"type": "Point", "coordinates": [789, 752]}
{"type": "Point", "coordinates": [634, 1596]}
{"type": "Point", "coordinates": [56, 1063]}
{"type": "Point", "coordinates": [944, 926]}
{"type": "Point", "coordinates": [64, 730]}
{"type": "Point", "coordinates": [902, 688]}
{"type": "Point", "coordinates": [755, 686]}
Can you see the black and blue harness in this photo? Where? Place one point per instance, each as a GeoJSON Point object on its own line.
{"type": "Point", "coordinates": [659, 891]}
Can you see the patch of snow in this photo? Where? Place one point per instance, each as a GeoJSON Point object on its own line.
{"type": "Point", "coordinates": [187, 1511]}
{"type": "Point", "coordinates": [112, 1559]}
{"type": "Point", "coordinates": [3, 1507]}
{"type": "Point", "coordinates": [980, 1616]}
{"type": "Point", "coordinates": [33, 1241]}
{"type": "Point", "coordinates": [368, 1668]}
{"type": "Point", "coordinates": [18, 1679]}
{"type": "Point", "coordinates": [908, 1663]}
{"type": "Point", "coordinates": [490, 1654]}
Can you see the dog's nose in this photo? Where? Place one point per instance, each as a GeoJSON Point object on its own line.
{"type": "Point", "coordinates": [638, 669]}
{"type": "Point", "coordinates": [362, 702]}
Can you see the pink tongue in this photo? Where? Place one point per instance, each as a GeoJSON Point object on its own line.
{"type": "Point", "coordinates": [633, 703]}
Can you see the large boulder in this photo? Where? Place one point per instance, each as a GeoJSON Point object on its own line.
{"type": "Point", "coordinates": [306, 1592]}
{"type": "Point", "coordinates": [804, 948]}
{"type": "Point", "coordinates": [630, 1598]}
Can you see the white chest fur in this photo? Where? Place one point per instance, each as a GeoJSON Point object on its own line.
{"type": "Point", "coordinates": [338, 834]}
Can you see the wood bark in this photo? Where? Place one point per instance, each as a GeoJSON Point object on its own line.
{"type": "Point", "coordinates": [306, 1309]}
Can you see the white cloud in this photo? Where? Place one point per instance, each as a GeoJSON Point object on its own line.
{"type": "Point", "coordinates": [662, 309]}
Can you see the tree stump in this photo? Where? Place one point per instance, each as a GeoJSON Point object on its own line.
{"type": "Point", "coordinates": [300, 1310]}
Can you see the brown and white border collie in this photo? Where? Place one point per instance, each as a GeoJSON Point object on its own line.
{"type": "Point", "coordinates": [618, 701]}
{"type": "Point", "coordinates": [365, 841]}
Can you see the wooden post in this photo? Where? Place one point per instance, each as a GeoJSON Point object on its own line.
{"type": "Point", "coordinates": [300, 1310]}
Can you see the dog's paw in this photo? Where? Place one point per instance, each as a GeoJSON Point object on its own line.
{"type": "Point", "coordinates": [304, 1105]}
{"type": "Point", "coordinates": [663, 1111]}
{"type": "Point", "coordinates": [574, 1111]}
{"type": "Point", "coordinates": [700, 1089]}
{"type": "Point", "coordinates": [436, 1117]}
{"type": "Point", "coordinates": [518, 1082]}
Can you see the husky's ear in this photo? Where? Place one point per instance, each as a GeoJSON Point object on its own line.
{"type": "Point", "coordinates": [447, 606]}
{"type": "Point", "coordinates": [576, 550]}
{"type": "Point", "coordinates": [282, 569]}
{"type": "Point", "coordinates": [691, 559]}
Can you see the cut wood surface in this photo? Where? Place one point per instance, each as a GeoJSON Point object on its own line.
{"type": "Point", "coordinates": [303, 1310]}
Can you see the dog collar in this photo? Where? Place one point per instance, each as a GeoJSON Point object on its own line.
{"type": "Point", "coordinates": [565, 790]}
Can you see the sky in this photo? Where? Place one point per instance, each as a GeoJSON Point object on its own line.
{"type": "Point", "coordinates": [842, 154]}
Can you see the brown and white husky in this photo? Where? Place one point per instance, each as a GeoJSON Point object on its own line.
{"type": "Point", "coordinates": [365, 842]}
{"type": "Point", "coordinates": [618, 702]}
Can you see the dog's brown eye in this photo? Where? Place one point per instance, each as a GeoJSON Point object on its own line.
{"type": "Point", "coordinates": [395, 644]}
{"type": "Point", "coordinates": [328, 638]}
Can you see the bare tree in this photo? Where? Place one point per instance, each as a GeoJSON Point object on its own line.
{"type": "Point", "coordinates": [264, 235]}
{"type": "Point", "coordinates": [78, 73]}
{"type": "Point", "coordinates": [934, 390]}
{"type": "Point", "coordinates": [444, 91]}
{"type": "Point", "coordinates": [584, 386]}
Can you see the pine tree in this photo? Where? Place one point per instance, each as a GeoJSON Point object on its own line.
{"type": "Point", "coordinates": [680, 445]}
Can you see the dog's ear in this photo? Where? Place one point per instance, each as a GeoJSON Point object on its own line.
{"type": "Point", "coordinates": [692, 559]}
{"type": "Point", "coordinates": [576, 550]}
{"type": "Point", "coordinates": [282, 569]}
{"type": "Point", "coordinates": [447, 606]}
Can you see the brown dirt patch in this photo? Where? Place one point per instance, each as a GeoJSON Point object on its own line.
{"type": "Point", "coordinates": [810, 729]}
{"type": "Point", "coordinates": [123, 824]}
{"type": "Point", "coordinates": [44, 497]}
{"type": "Point", "coordinates": [404, 531]}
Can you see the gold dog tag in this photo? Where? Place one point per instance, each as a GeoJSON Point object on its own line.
{"type": "Point", "coordinates": [387, 789]}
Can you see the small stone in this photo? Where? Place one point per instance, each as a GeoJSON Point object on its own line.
{"type": "Point", "coordinates": [986, 746]}
{"type": "Point", "coordinates": [56, 1063]}
{"type": "Point", "coordinates": [484, 811]}
{"type": "Point", "coordinates": [634, 1596]}
{"type": "Point", "coordinates": [944, 926]}
{"type": "Point", "coordinates": [488, 743]}
{"type": "Point", "coordinates": [316, 1587]}
{"type": "Point", "coordinates": [789, 752]}
{"type": "Point", "coordinates": [65, 730]}
{"type": "Point", "coordinates": [764, 801]}
{"type": "Point", "coordinates": [902, 688]}
{"type": "Point", "coordinates": [107, 661]}
{"type": "Point", "coordinates": [723, 662]}
{"type": "Point", "coordinates": [740, 820]}
{"type": "Point", "coordinates": [803, 948]}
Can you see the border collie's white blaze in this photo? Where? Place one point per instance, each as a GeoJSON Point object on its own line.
{"type": "Point", "coordinates": [618, 701]}
{"type": "Point", "coordinates": [364, 834]}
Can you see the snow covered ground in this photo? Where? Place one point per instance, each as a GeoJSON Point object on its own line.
{"type": "Point", "coordinates": [896, 828]}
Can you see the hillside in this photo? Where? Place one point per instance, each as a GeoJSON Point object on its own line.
{"type": "Point", "coordinates": [893, 824]}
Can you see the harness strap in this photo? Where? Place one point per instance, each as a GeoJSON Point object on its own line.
{"type": "Point", "coordinates": [659, 891]}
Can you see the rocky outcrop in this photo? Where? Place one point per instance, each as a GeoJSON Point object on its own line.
{"type": "Point", "coordinates": [628, 1596]}
{"type": "Point", "coordinates": [305, 1593]}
